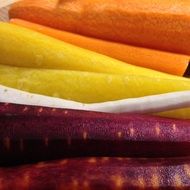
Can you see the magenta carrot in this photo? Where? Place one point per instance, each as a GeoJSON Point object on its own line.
{"type": "Point", "coordinates": [29, 133]}
{"type": "Point", "coordinates": [99, 174]}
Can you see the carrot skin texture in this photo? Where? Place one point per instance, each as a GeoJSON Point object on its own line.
{"type": "Point", "coordinates": [154, 24]}
{"type": "Point", "coordinates": [30, 133]}
{"type": "Point", "coordinates": [100, 173]}
{"type": "Point", "coordinates": [162, 61]}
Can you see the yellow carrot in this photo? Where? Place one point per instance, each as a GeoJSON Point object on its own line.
{"type": "Point", "coordinates": [23, 47]}
{"type": "Point", "coordinates": [85, 86]}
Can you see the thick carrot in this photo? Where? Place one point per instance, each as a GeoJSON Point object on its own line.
{"type": "Point", "coordinates": [102, 173]}
{"type": "Point", "coordinates": [32, 133]}
{"type": "Point", "coordinates": [87, 87]}
{"type": "Point", "coordinates": [156, 24]}
{"type": "Point", "coordinates": [157, 60]}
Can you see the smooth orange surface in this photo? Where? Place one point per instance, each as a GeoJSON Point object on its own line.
{"type": "Point", "coordinates": [156, 24]}
{"type": "Point", "coordinates": [158, 60]}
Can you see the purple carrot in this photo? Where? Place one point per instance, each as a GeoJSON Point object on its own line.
{"type": "Point", "coordinates": [100, 174]}
{"type": "Point", "coordinates": [30, 133]}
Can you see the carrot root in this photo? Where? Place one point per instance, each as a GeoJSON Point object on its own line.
{"type": "Point", "coordinates": [154, 24]}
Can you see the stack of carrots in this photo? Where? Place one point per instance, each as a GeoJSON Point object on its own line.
{"type": "Point", "coordinates": [105, 80]}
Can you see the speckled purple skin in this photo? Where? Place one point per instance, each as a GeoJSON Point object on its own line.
{"type": "Point", "coordinates": [100, 174]}
{"type": "Point", "coordinates": [29, 133]}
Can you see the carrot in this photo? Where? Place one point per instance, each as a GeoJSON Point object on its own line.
{"type": "Point", "coordinates": [93, 173]}
{"type": "Point", "coordinates": [87, 87]}
{"type": "Point", "coordinates": [157, 60]}
{"type": "Point", "coordinates": [156, 24]}
{"type": "Point", "coordinates": [27, 48]}
{"type": "Point", "coordinates": [146, 104]}
{"type": "Point", "coordinates": [100, 173]}
{"type": "Point", "coordinates": [33, 133]}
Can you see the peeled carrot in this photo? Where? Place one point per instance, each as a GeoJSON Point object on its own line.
{"type": "Point", "coordinates": [156, 24]}
{"type": "Point", "coordinates": [157, 60]}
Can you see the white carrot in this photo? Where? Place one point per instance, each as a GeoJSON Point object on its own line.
{"type": "Point", "coordinates": [147, 104]}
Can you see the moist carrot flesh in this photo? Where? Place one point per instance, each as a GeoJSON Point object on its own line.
{"type": "Point", "coordinates": [162, 61]}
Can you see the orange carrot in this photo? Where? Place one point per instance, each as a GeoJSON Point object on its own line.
{"type": "Point", "coordinates": [156, 24]}
{"type": "Point", "coordinates": [161, 61]}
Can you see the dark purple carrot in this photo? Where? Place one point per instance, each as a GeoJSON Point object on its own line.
{"type": "Point", "coordinates": [100, 174]}
{"type": "Point", "coordinates": [30, 133]}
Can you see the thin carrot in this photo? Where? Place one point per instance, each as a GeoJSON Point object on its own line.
{"type": "Point", "coordinates": [157, 24]}
{"type": "Point", "coordinates": [157, 60]}
{"type": "Point", "coordinates": [156, 104]}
